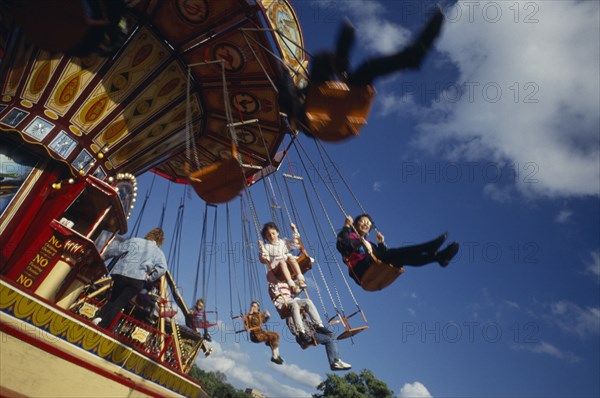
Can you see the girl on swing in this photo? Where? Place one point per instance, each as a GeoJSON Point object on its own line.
{"type": "Point", "coordinates": [275, 252]}
{"type": "Point", "coordinates": [352, 243]}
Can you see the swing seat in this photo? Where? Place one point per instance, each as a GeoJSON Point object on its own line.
{"type": "Point", "coordinates": [220, 182]}
{"type": "Point", "coordinates": [348, 330]}
{"type": "Point", "coordinates": [202, 325]}
{"type": "Point", "coordinates": [351, 332]}
{"type": "Point", "coordinates": [379, 276]}
{"type": "Point", "coordinates": [199, 320]}
{"type": "Point", "coordinates": [305, 263]}
{"type": "Point", "coordinates": [168, 313]}
{"type": "Point", "coordinates": [335, 112]}
{"type": "Point", "coordinates": [285, 311]}
{"type": "Point", "coordinates": [247, 327]}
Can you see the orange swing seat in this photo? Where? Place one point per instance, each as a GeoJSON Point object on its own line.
{"type": "Point", "coordinates": [379, 276]}
{"type": "Point", "coordinates": [335, 112]}
{"type": "Point", "coordinates": [219, 182]}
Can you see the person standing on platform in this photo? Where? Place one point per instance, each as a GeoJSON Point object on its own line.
{"type": "Point", "coordinates": [141, 261]}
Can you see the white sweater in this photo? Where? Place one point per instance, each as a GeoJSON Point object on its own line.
{"type": "Point", "coordinates": [279, 250]}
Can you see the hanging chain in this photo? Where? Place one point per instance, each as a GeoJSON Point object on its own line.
{"type": "Point", "coordinates": [200, 252]}
{"type": "Point", "coordinates": [301, 225]}
{"type": "Point", "coordinates": [190, 146]}
{"type": "Point", "coordinates": [328, 219]}
{"type": "Point", "coordinates": [324, 183]}
{"type": "Point", "coordinates": [175, 247]}
{"type": "Point", "coordinates": [212, 262]}
{"type": "Point", "coordinates": [329, 176]}
{"type": "Point", "coordinates": [138, 221]}
{"type": "Point", "coordinates": [320, 230]}
{"type": "Point", "coordinates": [267, 50]}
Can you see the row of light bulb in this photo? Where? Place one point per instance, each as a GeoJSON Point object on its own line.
{"type": "Point", "coordinates": [131, 177]}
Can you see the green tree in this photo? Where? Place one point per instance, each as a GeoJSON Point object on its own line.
{"type": "Point", "coordinates": [352, 385]}
{"type": "Point", "coordinates": [215, 384]}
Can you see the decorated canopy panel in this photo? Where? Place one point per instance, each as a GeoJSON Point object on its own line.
{"type": "Point", "coordinates": [134, 107]}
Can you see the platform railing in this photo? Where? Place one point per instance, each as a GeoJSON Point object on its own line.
{"type": "Point", "coordinates": [146, 340]}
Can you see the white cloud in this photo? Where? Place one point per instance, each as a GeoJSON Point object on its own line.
{"type": "Point", "coordinates": [374, 31]}
{"type": "Point", "coordinates": [512, 304]}
{"type": "Point", "coordinates": [414, 390]}
{"type": "Point", "coordinates": [593, 265]}
{"type": "Point", "coordinates": [238, 368]}
{"type": "Point", "coordinates": [502, 194]}
{"type": "Point", "coordinates": [377, 186]}
{"type": "Point", "coordinates": [563, 216]}
{"type": "Point", "coordinates": [528, 92]}
{"type": "Point", "coordinates": [299, 375]}
{"type": "Point", "coordinates": [273, 387]}
{"type": "Point", "coordinates": [573, 319]}
{"type": "Point", "coordinates": [549, 349]}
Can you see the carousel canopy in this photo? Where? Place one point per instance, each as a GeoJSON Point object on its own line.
{"type": "Point", "coordinates": [159, 96]}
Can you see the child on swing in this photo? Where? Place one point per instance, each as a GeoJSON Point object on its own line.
{"type": "Point", "coordinates": [275, 252]}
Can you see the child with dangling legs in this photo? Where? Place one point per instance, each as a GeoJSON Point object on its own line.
{"type": "Point", "coordinates": [275, 252]}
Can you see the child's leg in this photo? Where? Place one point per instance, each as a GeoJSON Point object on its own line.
{"type": "Point", "coordinates": [296, 267]}
{"type": "Point", "coordinates": [295, 308]}
{"type": "Point", "coordinates": [286, 273]}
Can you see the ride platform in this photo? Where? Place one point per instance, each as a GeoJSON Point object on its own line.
{"type": "Point", "coordinates": [46, 349]}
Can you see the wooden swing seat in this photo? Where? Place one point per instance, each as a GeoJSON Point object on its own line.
{"type": "Point", "coordinates": [379, 276]}
{"type": "Point", "coordinates": [247, 327]}
{"type": "Point", "coordinates": [303, 260]}
{"type": "Point", "coordinates": [250, 329]}
{"type": "Point", "coordinates": [348, 330]}
{"type": "Point", "coordinates": [219, 182]}
{"type": "Point", "coordinates": [335, 112]}
{"type": "Point", "coordinates": [199, 320]}
{"type": "Point", "coordinates": [203, 325]}
{"type": "Point", "coordinates": [286, 312]}
{"type": "Point", "coordinates": [168, 313]}
{"type": "Point", "coordinates": [305, 263]}
{"type": "Point", "coordinates": [352, 332]}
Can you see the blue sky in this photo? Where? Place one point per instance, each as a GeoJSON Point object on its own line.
{"type": "Point", "coordinates": [495, 140]}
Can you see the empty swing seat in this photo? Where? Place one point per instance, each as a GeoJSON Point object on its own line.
{"type": "Point", "coordinates": [220, 182]}
{"type": "Point", "coordinates": [349, 331]}
{"type": "Point", "coordinates": [335, 112]}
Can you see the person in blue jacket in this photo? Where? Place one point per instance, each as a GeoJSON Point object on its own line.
{"type": "Point", "coordinates": [141, 261]}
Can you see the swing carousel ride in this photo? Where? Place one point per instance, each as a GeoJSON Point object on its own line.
{"type": "Point", "coordinates": [92, 95]}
